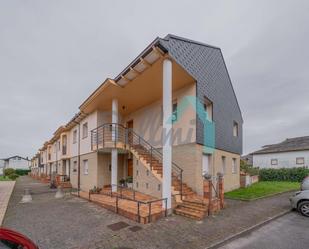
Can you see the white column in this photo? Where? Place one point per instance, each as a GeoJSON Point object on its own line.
{"type": "Point", "coordinates": [114, 150]}
{"type": "Point", "coordinates": [167, 131]}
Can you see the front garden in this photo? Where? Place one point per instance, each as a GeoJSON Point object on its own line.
{"type": "Point", "coordinates": [272, 181]}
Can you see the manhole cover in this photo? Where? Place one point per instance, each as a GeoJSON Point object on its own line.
{"type": "Point", "coordinates": [117, 226]}
{"type": "Point", "coordinates": [135, 228]}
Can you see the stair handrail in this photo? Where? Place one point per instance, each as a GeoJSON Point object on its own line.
{"type": "Point", "coordinates": [153, 150]}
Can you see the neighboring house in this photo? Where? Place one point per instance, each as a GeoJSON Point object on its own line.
{"type": "Point", "coordinates": [16, 162]}
{"type": "Point", "coordinates": [1, 166]}
{"type": "Point", "coordinates": [292, 152]}
{"type": "Point", "coordinates": [248, 159]}
{"type": "Point", "coordinates": [176, 90]}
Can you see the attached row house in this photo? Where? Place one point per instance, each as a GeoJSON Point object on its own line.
{"type": "Point", "coordinates": [166, 123]}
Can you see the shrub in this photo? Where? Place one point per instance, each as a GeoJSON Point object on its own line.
{"type": "Point", "coordinates": [249, 169]}
{"type": "Point", "coordinates": [13, 176]}
{"type": "Point", "coordinates": [22, 172]}
{"type": "Point", "coordinates": [284, 174]}
{"type": "Point", "coordinates": [9, 171]}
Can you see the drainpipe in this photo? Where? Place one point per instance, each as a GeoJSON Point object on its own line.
{"type": "Point", "coordinates": [78, 156]}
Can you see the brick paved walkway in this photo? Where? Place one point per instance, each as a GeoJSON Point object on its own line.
{"type": "Point", "coordinates": [6, 188]}
{"type": "Point", "coordinates": [74, 223]}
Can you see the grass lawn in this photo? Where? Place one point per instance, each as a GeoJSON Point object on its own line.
{"type": "Point", "coordinates": [3, 178]}
{"type": "Point", "coordinates": [262, 189]}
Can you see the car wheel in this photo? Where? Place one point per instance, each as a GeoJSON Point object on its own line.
{"type": "Point", "coordinates": [303, 208]}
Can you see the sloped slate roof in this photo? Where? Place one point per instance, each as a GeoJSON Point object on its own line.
{"type": "Point", "coordinates": [290, 144]}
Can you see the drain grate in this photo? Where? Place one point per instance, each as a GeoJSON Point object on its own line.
{"type": "Point", "coordinates": [118, 226]}
{"type": "Point", "coordinates": [135, 228]}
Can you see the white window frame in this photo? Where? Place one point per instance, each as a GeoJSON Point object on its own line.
{"type": "Point", "coordinates": [235, 129]}
{"type": "Point", "coordinates": [234, 166]}
{"type": "Point", "coordinates": [86, 167]}
{"type": "Point", "coordinates": [274, 161]}
{"type": "Point", "coordinates": [75, 136]}
{"type": "Point", "coordinates": [300, 158]}
{"type": "Point", "coordinates": [85, 130]}
{"type": "Point", "coordinates": [223, 162]}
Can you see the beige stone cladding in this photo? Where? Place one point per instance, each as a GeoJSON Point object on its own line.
{"type": "Point", "coordinates": [189, 158]}
{"type": "Point", "coordinates": [144, 181]}
{"type": "Point", "coordinates": [231, 176]}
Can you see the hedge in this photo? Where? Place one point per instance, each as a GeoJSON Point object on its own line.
{"type": "Point", "coordinates": [22, 172]}
{"type": "Point", "coordinates": [284, 174]}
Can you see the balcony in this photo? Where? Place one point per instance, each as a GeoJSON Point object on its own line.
{"type": "Point", "coordinates": [110, 136]}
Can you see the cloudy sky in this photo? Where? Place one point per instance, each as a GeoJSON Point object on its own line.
{"type": "Point", "coordinates": [53, 54]}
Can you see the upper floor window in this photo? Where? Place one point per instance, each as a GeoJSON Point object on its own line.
{"type": "Point", "coordinates": [300, 160]}
{"type": "Point", "coordinates": [75, 166]}
{"type": "Point", "coordinates": [274, 161]}
{"type": "Point", "coordinates": [85, 130]}
{"type": "Point", "coordinates": [58, 145]}
{"type": "Point", "coordinates": [235, 129]}
{"type": "Point", "coordinates": [74, 136]}
{"type": "Point", "coordinates": [234, 166]}
{"type": "Point", "coordinates": [174, 114]}
{"type": "Point", "coordinates": [208, 108]}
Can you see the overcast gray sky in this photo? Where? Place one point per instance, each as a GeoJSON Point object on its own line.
{"type": "Point", "coordinates": [53, 54]}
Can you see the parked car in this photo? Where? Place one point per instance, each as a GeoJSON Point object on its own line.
{"type": "Point", "coordinates": [10, 239]}
{"type": "Point", "coordinates": [300, 200]}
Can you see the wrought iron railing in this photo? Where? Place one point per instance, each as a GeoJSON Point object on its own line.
{"type": "Point", "coordinates": [111, 134]}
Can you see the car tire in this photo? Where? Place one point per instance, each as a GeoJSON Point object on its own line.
{"type": "Point", "coordinates": [303, 208]}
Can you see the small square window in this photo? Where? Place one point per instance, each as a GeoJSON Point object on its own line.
{"type": "Point", "coordinates": [235, 129]}
{"type": "Point", "coordinates": [274, 161]}
{"type": "Point", "coordinates": [300, 160]}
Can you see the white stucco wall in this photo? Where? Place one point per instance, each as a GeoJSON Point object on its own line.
{"type": "Point", "coordinates": [285, 159]}
{"type": "Point", "coordinates": [18, 164]}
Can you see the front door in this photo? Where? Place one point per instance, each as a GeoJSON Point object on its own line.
{"type": "Point", "coordinates": [130, 167]}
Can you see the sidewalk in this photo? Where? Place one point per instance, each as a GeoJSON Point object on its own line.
{"type": "Point", "coordinates": [72, 223]}
{"type": "Point", "coordinates": [6, 188]}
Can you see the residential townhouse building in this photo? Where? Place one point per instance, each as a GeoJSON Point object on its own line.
{"type": "Point", "coordinates": [170, 118]}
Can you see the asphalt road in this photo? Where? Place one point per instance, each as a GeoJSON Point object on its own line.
{"type": "Point", "coordinates": [288, 232]}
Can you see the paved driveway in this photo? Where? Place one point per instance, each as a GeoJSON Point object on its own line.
{"type": "Point", "coordinates": [74, 223]}
{"type": "Point", "coordinates": [288, 232]}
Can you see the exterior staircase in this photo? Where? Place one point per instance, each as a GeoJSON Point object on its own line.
{"type": "Point", "coordinates": [186, 202]}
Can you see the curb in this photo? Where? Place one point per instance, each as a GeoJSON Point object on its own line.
{"type": "Point", "coordinates": [246, 231]}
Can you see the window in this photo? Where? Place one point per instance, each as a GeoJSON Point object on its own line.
{"type": "Point", "coordinates": [300, 160]}
{"type": "Point", "coordinates": [235, 129]}
{"type": "Point", "coordinates": [208, 108]}
{"type": "Point", "coordinates": [234, 166]}
{"type": "Point", "coordinates": [85, 166]}
{"type": "Point", "coordinates": [58, 145]}
{"type": "Point", "coordinates": [85, 130]}
{"type": "Point", "coordinates": [75, 166]}
{"type": "Point", "coordinates": [174, 113]}
{"type": "Point", "coordinates": [223, 165]}
{"type": "Point", "coordinates": [136, 184]}
{"type": "Point", "coordinates": [74, 136]}
{"type": "Point", "coordinates": [159, 187]}
{"type": "Point", "coordinates": [147, 185]}
{"type": "Point", "coordinates": [147, 172]}
{"type": "Point", "coordinates": [136, 172]}
{"type": "Point", "coordinates": [274, 161]}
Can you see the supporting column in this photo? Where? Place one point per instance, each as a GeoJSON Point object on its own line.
{"type": "Point", "coordinates": [167, 132]}
{"type": "Point", "coordinates": [114, 174]}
